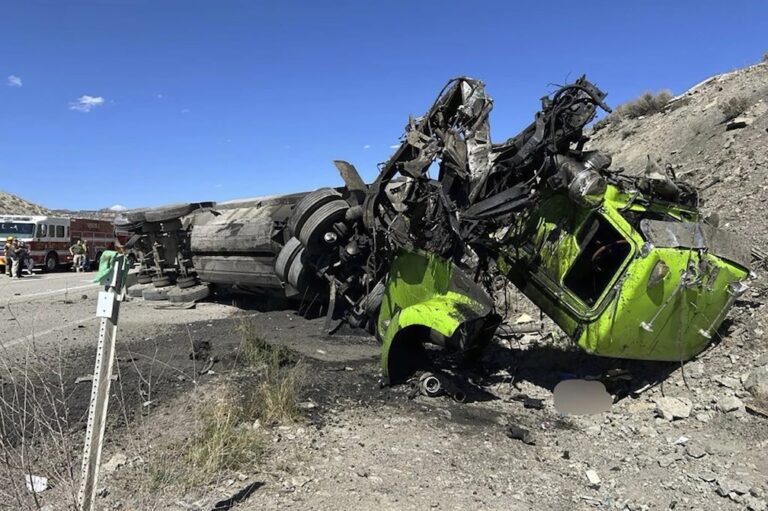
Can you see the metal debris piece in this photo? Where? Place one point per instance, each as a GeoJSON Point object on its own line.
{"type": "Point", "coordinates": [593, 478]}
{"type": "Point", "coordinates": [36, 484]}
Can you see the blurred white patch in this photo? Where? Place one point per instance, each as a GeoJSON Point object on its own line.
{"type": "Point", "coordinates": [581, 397]}
{"type": "Point", "coordinates": [14, 81]}
{"type": "Point", "coordinates": [117, 207]}
{"type": "Point", "coordinates": [367, 146]}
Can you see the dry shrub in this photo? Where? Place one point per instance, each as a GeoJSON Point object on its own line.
{"type": "Point", "coordinates": [275, 397]}
{"type": "Point", "coordinates": [226, 440]}
{"type": "Point", "coordinates": [734, 107]}
{"type": "Point", "coordinates": [226, 437]}
{"type": "Point", "coordinates": [647, 103]}
{"type": "Point", "coordinates": [35, 432]}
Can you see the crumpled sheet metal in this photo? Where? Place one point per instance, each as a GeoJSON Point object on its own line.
{"type": "Point", "coordinates": [699, 236]}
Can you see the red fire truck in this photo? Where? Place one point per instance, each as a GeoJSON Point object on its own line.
{"type": "Point", "coordinates": [49, 238]}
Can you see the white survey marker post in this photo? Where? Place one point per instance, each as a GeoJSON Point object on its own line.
{"type": "Point", "coordinates": [107, 310]}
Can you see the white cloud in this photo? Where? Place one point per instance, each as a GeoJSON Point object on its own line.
{"type": "Point", "coordinates": [367, 146]}
{"type": "Point", "coordinates": [14, 81]}
{"type": "Point", "coordinates": [185, 110]}
{"type": "Point", "coordinates": [118, 207]}
{"type": "Point", "coordinates": [86, 103]}
{"type": "Point", "coordinates": [159, 96]}
{"type": "Point", "coordinates": [394, 146]}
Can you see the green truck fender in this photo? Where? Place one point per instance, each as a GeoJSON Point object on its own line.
{"type": "Point", "coordinates": [428, 295]}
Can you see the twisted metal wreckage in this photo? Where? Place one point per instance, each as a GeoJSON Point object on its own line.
{"type": "Point", "coordinates": [626, 266]}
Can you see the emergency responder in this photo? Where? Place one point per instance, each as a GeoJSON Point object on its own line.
{"type": "Point", "coordinates": [7, 254]}
{"type": "Point", "coordinates": [17, 255]}
{"type": "Point", "coordinates": [78, 255]}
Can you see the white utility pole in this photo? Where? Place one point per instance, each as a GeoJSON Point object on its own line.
{"type": "Point", "coordinates": [107, 309]}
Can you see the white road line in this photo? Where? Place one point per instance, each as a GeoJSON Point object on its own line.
{"type": "Point", "coordinates": [35, 335]}
{"type": "Point", "coordinates": [26, 297]}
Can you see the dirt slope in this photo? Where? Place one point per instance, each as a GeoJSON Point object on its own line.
{"type": "Point", "coordinates": [11, 204]}
{"type": "Point", "coordinates": [691, 134]}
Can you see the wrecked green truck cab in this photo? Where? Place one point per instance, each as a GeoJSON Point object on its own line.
{"type": "Point", "coordinates": [629, 278]}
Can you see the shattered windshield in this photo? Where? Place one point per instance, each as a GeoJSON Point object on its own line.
{"type": "Point", "coordinates": [16, 229]}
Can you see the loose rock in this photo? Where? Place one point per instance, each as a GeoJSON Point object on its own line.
{"type": "Point", "coordinates": [671, 408]}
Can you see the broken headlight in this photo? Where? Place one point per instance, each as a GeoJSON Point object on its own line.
{"type": "Point", "coordinates": [587, 188]}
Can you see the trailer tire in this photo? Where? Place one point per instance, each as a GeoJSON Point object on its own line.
{"type": "Point", "coordinates": [166, 213]}
{"type": "Point", "coordinates": [186, 282]}
{"type": "Point", "coordinates": [51, 261]}
{"type": "Point", "coordinates": [135, 216]}
{"type": "Point", "coordinates": [155, 295]}
{"type": "Point", "coordinates": [372, 301]}
{"type": "Point", "coordinates": [161, 281]}
{"type": "Point", "coordinates": [319, 223]}
{"type": "Point", "coordinates": [190, 294]}
{"type": "Point", "coordinates": [137, 290]}
{"type": "Point", "coordinates": [307, 205]}
{"type": "Point", "coordinates": [298, 273]}
{"type": "Point", "coordinates": [286, 257]}
{"type": "Point", "coordinates": [143, 278]}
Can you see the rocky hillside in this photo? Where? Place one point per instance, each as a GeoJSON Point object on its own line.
{"type": "Point", "coordinates": [715, 136]}
{"type": "Point", "coordinates": [11, 204]}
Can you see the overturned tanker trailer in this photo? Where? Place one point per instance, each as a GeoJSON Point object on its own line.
{"type": "Point", "coordinates": [626, 266]}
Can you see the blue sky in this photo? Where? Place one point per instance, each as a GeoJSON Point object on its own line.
{"type": "Point", "coordinates": [149, 102]}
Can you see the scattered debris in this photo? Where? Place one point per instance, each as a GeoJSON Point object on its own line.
{"type": "Point", "coordinates": [36, 484]}
{"type": "Point", "coordinates": [593, 478]}
{"type": "Point", "coordinates": [240, 496]}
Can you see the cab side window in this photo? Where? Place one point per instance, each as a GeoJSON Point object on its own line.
{"type": "Point", "coordinates": [603, 252]}
{"type": "Point", "coordinates": [59, 231]}
{"type": "Point", "coordinates": [42, 230]}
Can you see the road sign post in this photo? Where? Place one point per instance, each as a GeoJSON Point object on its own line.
{"type": "Point", "coordinates": [107, 310]}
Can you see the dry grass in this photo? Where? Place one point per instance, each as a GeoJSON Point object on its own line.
{"type": "Point", "coordinates": [734, 107]}
{"type": "Point", "coordinates": [646, 104]}
{"type": "Point", "coordinates": [228, 434]}
{"type": "Point", "coordinates": [226, 440]}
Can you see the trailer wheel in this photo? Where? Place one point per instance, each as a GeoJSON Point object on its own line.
{"type": "Point", "coordinates": [185, 282]}
{"type": "Point", "coordinates": [319, 223]}
{"type": "Point", "coordinates": [51, 261]}
{"type": "Point", "coordinates": [372, 301]}
{"type": "Point", "coordinates": [161, 281]}
{"type": "Point", "coordinates": [144, 278]}
{"type": "Point", "coordinates": [298, 273]}
{"type": "Point", "coordinates": [154, 294]}
{"type": "Point", "coordinates": [191, 294]}
{"type": "Point", "coordinates": [285, 257]}
{"type": "Point", "coordinates": [307, 205]}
